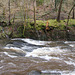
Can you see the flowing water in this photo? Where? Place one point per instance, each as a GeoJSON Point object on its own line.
{"type": "Point", "coordinates": [33, 57]}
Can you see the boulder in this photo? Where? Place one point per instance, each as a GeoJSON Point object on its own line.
{"type": "Point", "coordinates": [34, 72]}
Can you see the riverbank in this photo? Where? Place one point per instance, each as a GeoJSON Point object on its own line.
{"type": "Point", "coordinates": [45, 30]}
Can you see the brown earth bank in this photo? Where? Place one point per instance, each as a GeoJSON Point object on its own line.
{"type": "Point", "coordinates": [42, 32]}
{"type": "Point", "coordinates": [54, 34]}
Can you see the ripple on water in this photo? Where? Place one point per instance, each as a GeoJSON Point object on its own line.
{"type": "Point", "coordinates": [45, 56]}
{"type": "Point", "coordinates": [11, 56]}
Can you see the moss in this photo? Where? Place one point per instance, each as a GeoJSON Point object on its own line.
{"type": "Point", "coordinates": [1, 28]}
{"type": "Point", "coordinates": [58, 25]}
{"type": "Point", "coordinates": [40, 26]}
{"type": "Point", "coordinates": [2, 35]}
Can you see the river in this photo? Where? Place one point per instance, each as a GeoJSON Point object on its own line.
{"type": "Point", "coordinates": [33, 57]}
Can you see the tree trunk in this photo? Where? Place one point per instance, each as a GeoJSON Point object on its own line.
{"type": "Point", "coordinates": [34, 14]}
{"type": "Point", "coordinates": [59, 11]}
{"type": "Point", "coordinates": [9, 12]}
{"type": "Point", "coordinates": [73, 14]}
{"type": "Point", "coordinates": [24, 19]}
{"type": "Point", "coordinates": [13, 18]}
{"type": "Point", "coordinates": [67, 35]}
{"type": "Point", "coordinates": [69, 14]}
{"type": "Point", "coordinates": [55, 4]}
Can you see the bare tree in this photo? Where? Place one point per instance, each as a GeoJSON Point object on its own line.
{"type": "Point", "coordinates": [55, 4]}
{"type": "Point", "coordinates": [59, 11]}
{"type": "Point", "coordinates": [73, 10]}
{"type": "Point", "coordinates": [9, 11]}
{"type": "Point", "coordinates": [73, 14]}
{"type": "Point", "coordinates": [24, 17]}
{"type": "Point", "coordinates": [34, 6]}
{"type": "Point", "coordinates": [70, 13]}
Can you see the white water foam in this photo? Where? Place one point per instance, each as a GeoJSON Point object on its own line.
{"type": "Point", "coordinates": [49, 71]}
{"type": "Point", "coordinates": [48, 57]}
{"type": "Point", "coordinates": [58, 72]}
{"type": "Point", "coordinates": [1, 67]}
{"type": "Point", "coordinates": [12, 64]}
{"type": "Point", "coordinates": [70, 62]}
{"type": "Point", "coordinates": [11, 56]}
{"type": "Point", "coordinates": [69, 42]}
{"type": "Point", "coordinates": [45, 52]}
{"type": "Point", "coordinates": [26, 47]}
{"type": "Point", "coordinates": [15, 49]}
{"type": "Point", "coordinates": [2, 61]}
{"type": "Point", "coordinates": [72, 45]}
{"type": "Point", "coordinates": [34, 42]}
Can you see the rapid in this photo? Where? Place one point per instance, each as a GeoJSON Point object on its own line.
{"type": "Point", "coordinates": [21, 56]}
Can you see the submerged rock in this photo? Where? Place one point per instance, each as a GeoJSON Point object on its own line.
{"type": "Point", "coordinates": [34, 72]}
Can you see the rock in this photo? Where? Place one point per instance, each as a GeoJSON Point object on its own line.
{"type": "Point", "coordinates": [34, 72]}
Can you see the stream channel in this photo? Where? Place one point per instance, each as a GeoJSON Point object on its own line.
{"type": "Point", "coordinates": [21, 56]}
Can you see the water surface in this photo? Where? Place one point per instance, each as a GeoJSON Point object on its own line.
{"type": "Point", "coordinates": [21, 56]}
